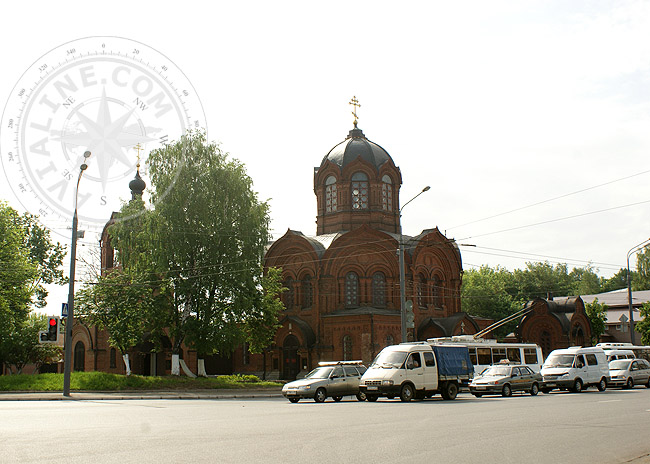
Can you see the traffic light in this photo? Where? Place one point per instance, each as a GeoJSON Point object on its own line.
{"type": "Point", "coordinates": [53, 329]}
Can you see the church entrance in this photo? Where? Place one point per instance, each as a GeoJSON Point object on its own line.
{"type": "Point", "coordinates": [290, 358]}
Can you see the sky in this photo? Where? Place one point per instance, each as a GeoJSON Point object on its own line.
{"type": "Point", "coordinates": [528, 119]}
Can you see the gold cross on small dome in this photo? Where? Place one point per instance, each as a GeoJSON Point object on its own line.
{"type": "Point", "coordinates": [137, 148]}
{"type": "Point", "coordinates": [354, 102]}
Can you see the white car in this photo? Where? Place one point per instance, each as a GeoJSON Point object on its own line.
{"type": "Point", "coordinates": [334, 379]}
{"type": "Point", "coordinates": [627, 373]}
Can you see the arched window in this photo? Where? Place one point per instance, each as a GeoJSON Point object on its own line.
{"type": "Point", "coordinates": [113, 358]}
{"type": "Point", "coordinates": [387, 193]}
{"type": "Point", "coordinates": [351, 289]}
{"type": "Point", "coordinates": [421, 290]}
{"type": "Point", "coordinates": [307, 292]}
{"type": "Point", "coordinates": [390, 340]}
{"type": "Point", "coordinates": [347, 348]}
{"type": "Point", "coordinates": [330, 194]}
{"type": "Point", "coordinates": [437, 292]}
{"type": "Point", "coordinates": [79, 357]}
{"type": "Point", "coordinates": [359, 191]}
{"type": "Point", "coordinates": [288, 294]}
{"type": "Point", "coordinates": [379, 290]}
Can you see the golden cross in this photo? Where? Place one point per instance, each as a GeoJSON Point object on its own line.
{"type": "Point", "coordinates": [354, 102]}
{"type": "Point", "coordinates": [137, 148]}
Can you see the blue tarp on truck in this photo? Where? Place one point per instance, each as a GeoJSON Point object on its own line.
{"type": "Point", "coordinates": [453, 360]}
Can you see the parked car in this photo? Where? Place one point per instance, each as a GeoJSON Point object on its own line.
{"type": "Point", "coordinates": [627, 373]}
{"type": "Point", "coordinates": [334, 379]}
{"type": "Point", "coordinates": [504, 378]}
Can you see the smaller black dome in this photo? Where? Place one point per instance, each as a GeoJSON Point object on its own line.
{"type": "Point", "coordinates": [356, 144]}
{"type": "Point", "coordinates": [137, 186]}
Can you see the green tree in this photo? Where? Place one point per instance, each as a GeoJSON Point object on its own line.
{"type": "Point", "coordinates": [643, 326]}
{"type": "Point", "coordinates": [123, 303]}
{"type": "Point", "coordinates": [486, 292]}
{"type": "Point", "coordinates": [597, 315]}
{"type": "Point", "coordinates": [615, 282]}
{"type": "Point", "coordinates": [585, 281]}
{"type": "Point", "coordinates": [22, 345]}
{"type": "Point", "coordinates": [206, 237]}
{"type": "Point", "coordinates": [641, 278]}
{"type": "Point", "coordinates": [540, 279]}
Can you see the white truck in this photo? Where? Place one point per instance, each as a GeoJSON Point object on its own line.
{"type": "Point", "coordinates": [417, 370]}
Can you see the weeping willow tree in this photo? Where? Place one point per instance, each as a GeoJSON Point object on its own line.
{"type": "Point", "coordinates": [207, 239]}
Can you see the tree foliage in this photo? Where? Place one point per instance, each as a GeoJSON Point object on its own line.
{"type": "Point", "coordinates": [202, 246]}
{"type": "Point", "coordinates": [28, 260]}
{"type": "Point", "coordinates": [641, 278]}
{"type": "Point", "coordinates": [597, 314]}
{"type": "Point", "coordinates": [643, 326]}
{"type": "Point", "coordinates": [22, 346]}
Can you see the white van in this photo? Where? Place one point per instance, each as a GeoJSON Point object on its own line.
{"type": "Point", "coordinates": [575, 368]}
{"type": "Point", "coordinates": [613, 355]}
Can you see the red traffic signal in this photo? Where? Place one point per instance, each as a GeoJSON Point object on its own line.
{"type": "Point", "coordinates": [53, 329]}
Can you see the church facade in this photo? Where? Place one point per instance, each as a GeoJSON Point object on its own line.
{"type": "Point", "coordinates": [342, 298]}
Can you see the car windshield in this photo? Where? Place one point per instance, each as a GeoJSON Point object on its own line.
{"type": "Point", "coordinates": [320, 373]}
{"type": "Point", "coordinates": [495, 371]}
{"type": "Point", "coordinates": [620, 364]}
{"type": "Point", "coordinates": [389, 359]}
{"type": "Point", "coordinates": [559, 360]}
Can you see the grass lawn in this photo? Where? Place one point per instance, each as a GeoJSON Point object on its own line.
{"type": "Point", "coordinates": [100, 381]}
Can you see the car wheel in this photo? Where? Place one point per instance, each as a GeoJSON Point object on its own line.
{"type": "Point", "coordinates": [337, 398]}
{"type": "Point", "coordinates": [361, 396]}
{"type": "Point", "coordinates": [506, 390]}
{"type": "Point", "coordinates": [372, 398]}
{"type": "Point", "coordinates": [577, 386]}
{"type": "Point", "coordinates": [602, 385]}
{"type": "Point", "coordinates": [407, 393]}
{"type": "Point", "coordinates": [294, 400]}
{"type": "Point", "coordinates": [320, 395]}
{"type": "Point", "coordinates": [630, 383]}
{"type": "Point", "coordinates": [534, 390]}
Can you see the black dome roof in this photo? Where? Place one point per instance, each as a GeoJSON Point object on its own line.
{"type": "Point", "coordinates": [137, 185]}
{"type": "Point", "coordinates": [356, 144]}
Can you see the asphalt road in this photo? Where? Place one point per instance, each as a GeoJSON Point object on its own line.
{"type": "Point", "coordinates": [591, 427]}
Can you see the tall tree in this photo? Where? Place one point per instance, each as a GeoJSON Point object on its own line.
{"type": "Point", "coordinates": [206, 237]}
{"type": "Point", "coordinates": [616, 282]}
{"type": "Point", "coordinates": [597, 314]}
{"type": "Point", "coordinates": [539, 279]}
{"type": "Point", "coordinates": [585, 281]}
{"type": "Point", "coordinates": [643, 326]}
{"type": "Point", "coordinates": [486, 292]}
{"type": "Point", "coordinates": [641, 278]}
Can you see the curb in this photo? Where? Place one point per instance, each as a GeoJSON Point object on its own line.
{"type": "Point", "coordinates": [139, 395]}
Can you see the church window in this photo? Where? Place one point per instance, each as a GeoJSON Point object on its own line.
{"type": "Point", "coordinates": [347, 348]}
{"type": "Point", "coordinates": [307, 292]}
{"type": "Point", "coordinates": [351, 290]}
{"type": "Point", "coordinates": [437, 290]}
{"type": "Point", "coordinates": [421, 290]}
{"type": "Point", "coordinates": [359, 191]}
{"type": "Point", "coordinates": [379, 290]}
{"type": "Point", "coordinates": [113, 358]}
{"type": "Point", "coordinates": [387, 193]}
{"type": "Point", "coordinates": [288, 294]}
{"type": "Point", "coordinates": [389, 340]}
{"type": "Point", "coordinates": [79, 357]}
{"type": "Point", "coordinates": [330, 194]}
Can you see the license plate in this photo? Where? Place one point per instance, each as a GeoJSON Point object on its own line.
{"type": "Point", "coordinates": [481, 388]}
{"type": "Point", "coordinates": [292, 393]}
{"type": "Point", "coordinates": [371, 388]}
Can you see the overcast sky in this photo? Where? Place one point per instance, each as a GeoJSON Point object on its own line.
{"type": "Point", "coordinates": [528, 119]}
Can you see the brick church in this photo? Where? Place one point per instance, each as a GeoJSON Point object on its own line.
{"type": "Point", "coordinates": [343, 284]}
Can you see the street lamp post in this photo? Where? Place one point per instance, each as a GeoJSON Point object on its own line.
{"type": "Point", "coordinates": [73, 258]}
{"type": "Point", "coordinates": [402, 272]}
{"type": "Point", "coordinates": [633, 250]}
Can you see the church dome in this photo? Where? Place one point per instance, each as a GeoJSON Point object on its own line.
{"type": "Point", "coordinates": [137, 186]}
{"type": "Point", "coordinates": [357, 145]}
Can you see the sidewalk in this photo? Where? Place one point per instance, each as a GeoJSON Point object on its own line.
{"type": "Point", "coordinates": [142, 395]}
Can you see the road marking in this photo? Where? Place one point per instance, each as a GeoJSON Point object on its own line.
{"type": "Point", "coordinates": [609, 401]}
